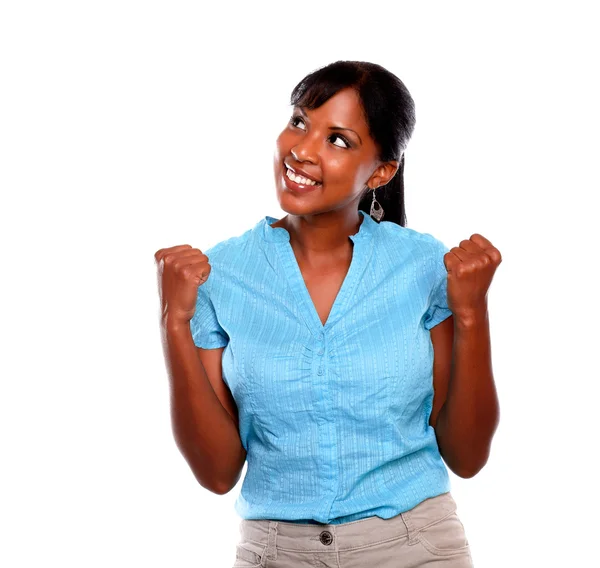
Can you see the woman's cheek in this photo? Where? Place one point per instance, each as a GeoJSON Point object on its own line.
{"type": "Point", "coordinates": [336, 169]}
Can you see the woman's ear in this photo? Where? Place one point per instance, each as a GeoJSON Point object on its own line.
{"type": "Point", "coordinates": [383, 173]}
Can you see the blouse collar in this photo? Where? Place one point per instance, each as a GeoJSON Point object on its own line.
{"type": "Point", "coordinates": [279, 234]}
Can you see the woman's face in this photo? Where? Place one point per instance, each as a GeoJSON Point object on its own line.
{"type": "Point", "coordinates": [331, 145]}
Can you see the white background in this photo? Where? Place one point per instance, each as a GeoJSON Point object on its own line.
{"type": "Point", "coordinates": [132, 126]}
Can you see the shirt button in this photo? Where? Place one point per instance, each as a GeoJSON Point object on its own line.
{"type": "Point", "coordinates": [326, 538]}
{"type": "Point", "coordinates": [321, 336]}
{"type": "Point", "coordinates": [321, 351]}
{"type": "Point", "coordinates": [320, 371]}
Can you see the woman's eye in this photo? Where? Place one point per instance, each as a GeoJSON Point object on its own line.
{"type": "Point", "coordinates": [342, 139]}
{"type": "Point", "coordinates": [294, 119]}
{"type": "Point", "coordinates": [298, 119]}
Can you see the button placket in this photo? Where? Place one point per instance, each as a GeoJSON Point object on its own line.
{"type": "Point", "coordinates": [321, 340]}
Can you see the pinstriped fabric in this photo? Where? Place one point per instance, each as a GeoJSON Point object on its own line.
{"type": "Point", "coordinates": [334, 417]}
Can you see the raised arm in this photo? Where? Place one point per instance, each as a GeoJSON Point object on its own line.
{"type": "Point", "coordinates": [205, 431]}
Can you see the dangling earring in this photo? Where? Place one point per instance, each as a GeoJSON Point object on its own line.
{"type": "Point", "coordinates": [376, 208]}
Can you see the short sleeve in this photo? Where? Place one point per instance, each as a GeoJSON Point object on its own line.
{"type": "Point", "coordinates": [205, 328]}
{"type": "Point", "coordinates": [437, 310]}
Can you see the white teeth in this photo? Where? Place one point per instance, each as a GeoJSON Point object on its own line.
{"type": "Point", "coordinates": [299, 179]}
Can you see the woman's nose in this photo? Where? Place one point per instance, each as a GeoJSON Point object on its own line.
{"type": "Point", "coordinates": [305, 151]}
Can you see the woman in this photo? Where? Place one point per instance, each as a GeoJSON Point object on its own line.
{"type": "Point", "coordinates": [344, 355]}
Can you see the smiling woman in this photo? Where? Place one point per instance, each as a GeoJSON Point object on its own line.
{"type": "Point", "coordinates": [352, 102]}
{"type": "Point", "coordinates": [319, 145]}
{"type": "Point", "coordinates": [324, 324]}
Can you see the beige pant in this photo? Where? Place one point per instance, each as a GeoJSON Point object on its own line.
{"type": "Point", "coordinates": [430, 534]}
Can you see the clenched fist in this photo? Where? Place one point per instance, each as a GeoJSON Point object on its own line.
{"type": "Point", "coordinates": [181, 270]}
{"type": "Point", "coordinates": [470, 267]}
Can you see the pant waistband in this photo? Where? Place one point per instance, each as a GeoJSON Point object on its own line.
{"type": "Point", "coordinates": [354, 534]}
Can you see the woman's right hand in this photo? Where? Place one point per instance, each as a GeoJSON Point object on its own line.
{"type": "Point", "coordinates": [181, 270]}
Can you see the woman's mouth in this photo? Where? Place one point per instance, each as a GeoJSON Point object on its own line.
{"type": "Point", "coordinates": [299, 183]}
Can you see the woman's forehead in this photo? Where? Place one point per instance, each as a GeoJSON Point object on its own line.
{"type": "Point", "coordinates": [342, 109]}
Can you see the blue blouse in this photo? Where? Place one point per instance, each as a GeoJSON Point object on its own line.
{"type": "Point", "coordinates": [334, 418]}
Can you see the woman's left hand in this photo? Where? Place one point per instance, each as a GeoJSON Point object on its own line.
{"type": "Point", "coordinates": [471, 267]}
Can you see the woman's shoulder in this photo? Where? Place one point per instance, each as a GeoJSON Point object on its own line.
{"type": "Point", "coordinates": [228, 248]}
{"type": "Point", "coordinates": [426, 242]}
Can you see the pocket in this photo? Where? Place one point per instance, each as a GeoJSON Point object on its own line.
{"type": "Point", "coordinates": [249, 554]}
{"type": "Point", "coordinates": [445, 537]}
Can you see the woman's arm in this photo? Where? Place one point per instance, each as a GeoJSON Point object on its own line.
{"type": "Point", "coordinates": [206, 434]}
{"type": "Point", "coordinates": [469, 412]}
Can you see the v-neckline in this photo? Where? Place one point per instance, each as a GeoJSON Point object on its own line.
{"type": "Point", "coordinates": [361, 253]}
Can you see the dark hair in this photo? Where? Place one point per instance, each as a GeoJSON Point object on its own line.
{"type": "Point", "coordinates": [389, 112]}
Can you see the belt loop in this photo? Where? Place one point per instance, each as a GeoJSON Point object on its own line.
{"type": "Point", "coordinates": [412, 533]}
{"type": "Point", "coordinates": [272, 541]}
